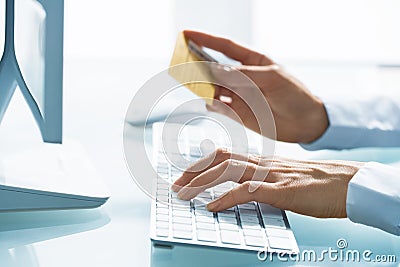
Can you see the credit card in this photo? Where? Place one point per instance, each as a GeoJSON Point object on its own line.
{"type": "Point", "coordinates": [192, 72]}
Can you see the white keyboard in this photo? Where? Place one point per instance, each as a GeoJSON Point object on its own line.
{"type": "Point", "coordinates": [252, 226]}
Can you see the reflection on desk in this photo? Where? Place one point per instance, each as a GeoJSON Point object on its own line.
{"type": "Point", "coordinates": [18, 230]}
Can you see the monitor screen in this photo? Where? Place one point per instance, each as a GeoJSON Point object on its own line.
{"type": "Point", "coordinates": [32, 61]}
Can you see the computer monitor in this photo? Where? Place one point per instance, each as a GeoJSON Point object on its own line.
{"type": "Point", "coordinates": [44, 176]}
{"type": "Point", "coordinates": [32, 60]}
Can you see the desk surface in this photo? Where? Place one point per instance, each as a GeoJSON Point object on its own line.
{"type": "Point", "coordinates": [117, 234]}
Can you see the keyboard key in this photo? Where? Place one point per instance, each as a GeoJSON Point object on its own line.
{"type": "Point", "coordinates": [164, 211]}
{"type": "Point", "coordinates": [277, 232]}
{"type": "Point", "coordinates": [162, 175]}
{"type": "Point", "coordinates": [247, 206]}
{"type": "Point", "coordinates": [182, 235]}
{"type": "Point", "coordinates": [279, 242]}
{"type": "Point", "coordinates": [205, 219]}
{"type": "Point", "coordinates": [162, 164]}
{"type": "Point", "coordinates": [161, 204]}
{"type": "Point", "coordinates": [184, 220]}
{"type": "Point", "coordinates": [254, 241]}
{"type": "Point", "coordinates": [268, 211]}
{"type": "Point", "coordinates": [230, 237]}
{"type": "Point", "coordinates": [175, 172]}
{"type": "Point", "coordinates": [204, 195]}
{"type": "Point", "coordinates": [174, 195]}
{"type": "Point", "coordinates": [179, 202]}
{"type": "Point", "coordinates": [162, 179]}
{"type": "Point", "coordinates": [162, 198]}
{"type": "Point", "coordinates": [272, 222]}
{"type": "Point", "coordinates": [162, 224]}
{"type": "Point", "coordinates": [249, 218]}
{"type": "Point", "coordinates": [182, 213]}
{"type": "Point", "coordinates": [162, 217]}
{"type": "Point", "coordinates": [228, 226]}
{"type": "Point", "coordinates": [179, 207]}
{"type": "Point", "coordinates": [162, 167]}
{"type": "Point", "coordinates": [204, 213]}
{"type": "Point", "coordinates": [205, 226]}
{"type": "Point", "coordinates": [250, 225]}
{"type": "Point", "coordinates": [182, 227]}
{"type": "Point", "coordinates": [206, 235]}
{"type": "Point", "coordinates": [247, 212]}
{"type": "Point", "coordinates": [162, 232]}
{"type": "Point", "coordinates": [252, 232]}
{"type": "Point", "coordinates": [203, 208]}
{"type": "Point", "coordinates": [162, 186]}
{"type": "Point", "coordinates": [200, 202]}
{"type": "Point", "coordinates": [227, 213]}
{"type": "Point", "coordinates": [227, 220]}
{"type": "Point", "coordinates": [162, 192]}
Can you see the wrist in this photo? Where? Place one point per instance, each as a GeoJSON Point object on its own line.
{"type": "Point", "coordinates": [317, 123]}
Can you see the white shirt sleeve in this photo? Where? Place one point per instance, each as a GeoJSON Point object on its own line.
{"type": "Point", "coordinates": [352, 124]}
{"type": "Point", "coordinates": [373, 197]}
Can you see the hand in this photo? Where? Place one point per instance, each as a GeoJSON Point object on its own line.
{"type": "Point", "coordinates": [314, 188]}
{"type": "Point", "coordinates": [299, 116]}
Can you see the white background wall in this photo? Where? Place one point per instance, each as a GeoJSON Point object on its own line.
{"type": "Point", "coordinates": [360, 30]}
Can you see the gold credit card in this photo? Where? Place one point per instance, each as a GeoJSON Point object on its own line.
{"type": "Point", "coordinates": [195, 77]}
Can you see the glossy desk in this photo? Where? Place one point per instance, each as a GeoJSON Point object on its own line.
{"type": "Point", "coordinates": [117, 234]}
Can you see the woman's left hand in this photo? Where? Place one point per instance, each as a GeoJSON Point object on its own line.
{"type": "Point", "coordinates": [314, 188]}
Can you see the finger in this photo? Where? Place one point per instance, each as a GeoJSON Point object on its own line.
{"type": "Point", "coordinates": [265, 193]}
{"type": "Point", "coordinates": [229, 170]}
{"type": "Point", "coordinates": [231, 108]}
{"type": "Point", "coordinates": [203, 164]}
{"type": "Point", "coordinates": [221, 91]}
{"type": "Point", "coordinates": [213, 159]}
{"type": "Point", "coordinates": [228, 48]}
{"type": "Point", "coordinates": [239, 109]}
{"type": "Point", "coordinates": [243, 77]}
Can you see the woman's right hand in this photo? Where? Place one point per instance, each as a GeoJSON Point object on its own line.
{"type": "Point", "coordinates": [299, 116]}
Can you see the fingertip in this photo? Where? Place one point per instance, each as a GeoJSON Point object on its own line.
{"type": "Point", "coordinates": [191, 34]}
{"type": "Point", "coordinates": [213, 206]}
{"type": "Point", "coordinates": [210, 107]}
{"type": "Point", "coordinates": [187, 192]}
{"type": "Point", "coordinates": [182, 194]}
{"type": "Point", "coordinates": [187, 32]}
{"type": "Point", "coordinates": [175, 187]}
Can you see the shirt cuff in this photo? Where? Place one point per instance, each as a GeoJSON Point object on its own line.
{"type": "Point", "coordinates": [373, 197]}
{"type": "Point", "coordinates": [341, 133]}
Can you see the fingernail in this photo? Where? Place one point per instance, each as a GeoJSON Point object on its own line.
{"type": "Point", "coordinates": [186, 193]}
{"type": "Point", "coordinates": [175, 187]}
{"type": "Point", "coordinates": [213, 205]}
